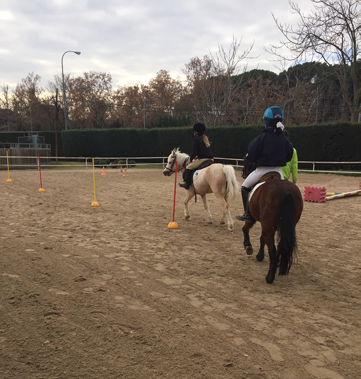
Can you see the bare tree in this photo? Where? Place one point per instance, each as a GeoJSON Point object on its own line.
{"type": "Point", "coordinates": [128, 106]}
{"type": "Point", "coordinates": [6, 113]}
{"type": "Point", "coordinates": [90, 99]}
{"type": "Point", "coordinates": [163, 95]}
{"type": "Point", "coordinates": [5, 98]}
{"type": "Point", "coordinates": [330, 33]}
{"type": "Point", "coordinates": [26, 101]}
{"type": "Point", "coordinates": [214, 81]}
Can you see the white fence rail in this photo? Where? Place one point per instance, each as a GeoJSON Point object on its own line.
{"type": "Point", "coordinates": [18, 162]}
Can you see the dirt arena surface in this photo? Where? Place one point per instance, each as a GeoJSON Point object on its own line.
{"type": "Point", "coordinates": [111, 292]}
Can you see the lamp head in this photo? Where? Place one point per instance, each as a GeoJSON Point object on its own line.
{"type": "Point", "coordinates": [77, 52]}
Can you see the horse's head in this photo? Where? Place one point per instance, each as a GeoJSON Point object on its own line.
{"type": "Point", "coordinates": [175, 156]}
{"type": "Point", "coordinates": [248, 167]}
{"type": "Point", "coordinates": [169, 168]}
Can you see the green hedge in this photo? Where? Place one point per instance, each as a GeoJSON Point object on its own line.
{"type": "Point", "coordinates": [327, 142]}
{"type": "Point", "coordinates": [321, 142]}
{"type": "Point", "coordinates": [226, 141]}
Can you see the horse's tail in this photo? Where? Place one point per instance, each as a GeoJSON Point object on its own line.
{"type": "Point", "coordinates": [286, 228]}
{"type": "Point", "coordinates": [232, 186]}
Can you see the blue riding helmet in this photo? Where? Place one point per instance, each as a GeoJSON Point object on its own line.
{"type": "Point", "coordinates": [272, 114]}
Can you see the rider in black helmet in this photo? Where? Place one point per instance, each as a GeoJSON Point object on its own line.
{"type": "Point", "coordinates": [201, 152]}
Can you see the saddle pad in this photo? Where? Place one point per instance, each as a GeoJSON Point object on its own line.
{"type": "Point", "coordinates": [254, 188]}
{"type": "Point", "coordinates": [196, 174]}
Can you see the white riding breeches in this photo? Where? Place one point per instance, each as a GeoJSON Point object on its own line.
{"type": "Point", "coordinates": [255, 176]}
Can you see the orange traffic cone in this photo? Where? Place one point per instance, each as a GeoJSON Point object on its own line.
{"type": "Point", "coordinates": [103, 172]}
{"type": "Point", "coordinates": [125, 172]}
{"type": "Point", "coordinates": [121, 170]}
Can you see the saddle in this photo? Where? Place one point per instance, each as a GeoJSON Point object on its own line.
{"type": "Point", "coordinates": [188, 174]}
{"type": "Point", "coordinates": [269, 176]}
{"type": "Point", "coordinates": [204, 164]}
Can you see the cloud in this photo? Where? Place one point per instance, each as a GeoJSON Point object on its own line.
{"type": "Point", "coordinates": [132, 40]}
{"type": "Point", "coordinates": [6, 15]}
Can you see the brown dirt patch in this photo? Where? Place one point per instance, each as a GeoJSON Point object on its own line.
{"type": "Point", "coordinates": [111, 292]}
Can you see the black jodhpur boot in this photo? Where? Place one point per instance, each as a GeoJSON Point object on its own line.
{"type": "Point", "coordinates": [187, 177]}
{"type": "Point", "coordinates": [247, 215]}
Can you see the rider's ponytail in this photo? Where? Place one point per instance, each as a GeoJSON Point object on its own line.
{"type": "Point", "coordinates": [205, 140]}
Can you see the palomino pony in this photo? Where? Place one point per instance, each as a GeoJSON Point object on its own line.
{"type": "Point", "coordinates": [217, 178]}
{"type": "Point", "coordinates": [277, 204]}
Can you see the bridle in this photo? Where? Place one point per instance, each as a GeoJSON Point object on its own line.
{"type": "Point", "coordinates": [173, 163]}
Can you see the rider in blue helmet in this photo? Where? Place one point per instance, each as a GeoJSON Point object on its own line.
{"type": "Point", "coordinates": [269, 152]}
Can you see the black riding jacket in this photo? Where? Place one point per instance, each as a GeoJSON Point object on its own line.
{"type": "Point", "coordinates": [270, 149]}
{"type": "Point", "coordinates": [200, 150]}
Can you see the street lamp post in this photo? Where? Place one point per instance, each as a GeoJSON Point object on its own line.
{"type": "Point", "coordinates": [64, 98]}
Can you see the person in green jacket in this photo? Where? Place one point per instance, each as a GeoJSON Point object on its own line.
{"type": "Point", "coordinates": [291, 166]}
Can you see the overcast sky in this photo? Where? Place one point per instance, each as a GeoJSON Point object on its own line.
{"type": "Point", "coordinates": [131, 39]}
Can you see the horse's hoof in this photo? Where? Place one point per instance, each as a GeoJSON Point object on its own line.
{"type": "Point", "coordinates": [269, 279]}
{"type": "Point", "coordinates": [259, 258]}
{"type": "Point", "coordinates": [249, 250]}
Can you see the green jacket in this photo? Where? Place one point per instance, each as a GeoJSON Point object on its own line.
{"type": "Point", "coordinates": [291, 167]}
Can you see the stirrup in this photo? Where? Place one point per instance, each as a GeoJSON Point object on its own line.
{"type": "Point", "coordinates": [183, 185]}
{"type": "Point", "coordinates": [245, 217]}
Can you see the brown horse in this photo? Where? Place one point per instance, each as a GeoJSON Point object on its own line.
{"type": "Point", "coordinates": [277, 204]}
{"type": "Point", "coordinates": [217, 178]}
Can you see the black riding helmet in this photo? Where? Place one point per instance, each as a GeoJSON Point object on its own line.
{"type": "Point", "coordinates": [199, 128]}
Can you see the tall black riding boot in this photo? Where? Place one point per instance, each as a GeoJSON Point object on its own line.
{"type": "Point", "coordinates": [188, 178]}
{"type": "Point", "coordinates": [247, 215]}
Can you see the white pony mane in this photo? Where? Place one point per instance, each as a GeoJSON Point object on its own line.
{"type": "Point", "coordinates": [181, 156]}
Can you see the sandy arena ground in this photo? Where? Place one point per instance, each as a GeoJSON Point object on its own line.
{"type": "Point", "coordinates": [111, 292]}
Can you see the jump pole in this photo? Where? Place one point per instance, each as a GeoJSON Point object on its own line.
{"type": "Point", "coordinates": [94, 204]}
{"type": "Point", "coordinates": [173, 224]}
{"type": "Point", "coordinates": [7, 161]}
{"type": "Point", "coordinates": [344, 194]}
{"type": "Point", "coordinates": [41, 189]}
